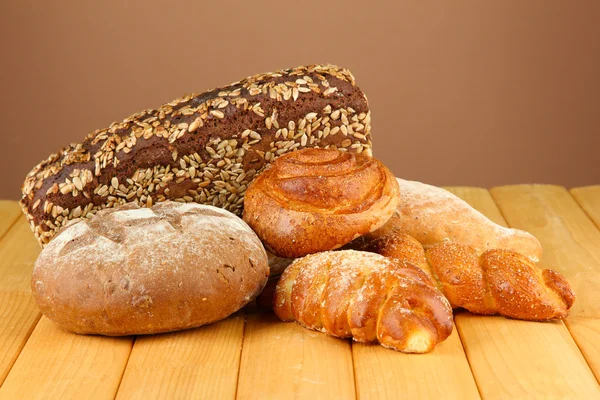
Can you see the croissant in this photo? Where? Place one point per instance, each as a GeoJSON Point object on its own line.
{"type": "Point", "coordinates": [497, 282]}
{"type": "Point", "coordinates": [365, 296]}
{"type": "Point", "coordinates": [315, 200]}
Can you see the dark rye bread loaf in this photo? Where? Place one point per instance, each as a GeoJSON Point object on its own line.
{"type": "Point", "coordinates": [203, 148]}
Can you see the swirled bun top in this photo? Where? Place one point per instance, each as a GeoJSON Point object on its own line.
{"type": "Point", "coordinates": [315, 200]}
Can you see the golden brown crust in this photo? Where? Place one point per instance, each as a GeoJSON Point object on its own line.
{"type": "Point", "coordinates": [497, 282]}
{"type": "Point", "coordinates": [316, 200]}
{"type": "Point", "coordinates": [519, 288]}
{"type": "Point", "coordinates": [365, 296]}
{"type": "Point", "coordinates": [132, 270]}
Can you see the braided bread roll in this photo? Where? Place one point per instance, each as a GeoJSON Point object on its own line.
{"type": "Point", "coordinates": [364, 296]}
{"type": "Point", "coordinates": [497, 282]}
{"type": "Point", "coordinates": [316, 200]}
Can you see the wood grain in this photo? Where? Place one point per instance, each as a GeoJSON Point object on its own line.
{"type": "Point", "coordinates": [18, 316]}
{"type": "Point", "coordinates": [511, 358]}
{"type": "Point", "coordinates": [283, 359]}
{"type": "Point", "coordinates": [571, 246]}
{"type": "Point", "coordinates": [9, 212]}
{"type": "Point", "coordinates": [386, 374]}
{"type": "Point", "coordinates": [589, 199]}
{"type": "Point", "coordinates": [197, 363]}
{"type": "Point", "coordinates": [61, 365]}
{"type": "Point", "coordinates": [18, 252]}
{"type": "Point", "coordinates": [18, 312]}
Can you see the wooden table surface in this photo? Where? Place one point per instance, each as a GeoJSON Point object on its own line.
{"type": "Point", "coordinates": [253, 356]}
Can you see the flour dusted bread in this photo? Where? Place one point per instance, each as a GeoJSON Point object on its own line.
{"type": "Point", "coordinates": [319, 199]}
{"type": "Point", "coordinates": [365, 296]}
{"type": "Point", "coordinates": [132, 270]}
{"type": "Point", "coordinates": [432, 215]}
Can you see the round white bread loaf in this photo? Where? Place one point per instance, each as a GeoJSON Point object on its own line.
{"type": "Point", "coordinates": [133, 270]}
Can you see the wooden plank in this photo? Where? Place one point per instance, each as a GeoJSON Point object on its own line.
{"type": "Point", "coordinates": [589, 199]}
{"type": "Point", "coordinates": [279, 359]}
{"type": "Point", "coordinates": [18, 252]}
{"type": "Point", "coordinates": [511, 358]}
{"type": "Point", "coordinates": [571, 246]}
{"type": "Point", "coordinates": [51, 362]}
{"type": "Point", "coordinates": [18, 312]}
{"type": "Point", "coordinates": [197, 363]}
{"type": "Point", "coordinates": [18, 316]}
{"type": "Point", "coordinates": [9, 212]}
{"type": "Point", "coordinates": [386, 374]}
{"type": "Point", "coordinates": [61, 365]}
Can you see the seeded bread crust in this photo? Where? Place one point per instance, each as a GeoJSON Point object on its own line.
{"type": "Point", "coordinates": [205, 148]}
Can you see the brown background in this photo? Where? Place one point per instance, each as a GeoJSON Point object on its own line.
{"type": "Point", "coordinates": [462, 93]}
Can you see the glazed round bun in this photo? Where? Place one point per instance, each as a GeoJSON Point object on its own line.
{"type": "Point", "coordinates": [315, 200]}
{"type": "Point", "coordinates": [132, 270]}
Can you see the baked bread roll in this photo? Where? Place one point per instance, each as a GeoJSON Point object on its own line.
{"type": "Point", "coordinates": [432, 215]}
{"type": "Point", "coordinates": [496, 282]}
{"type": "Point", "coordinates": [132, 270]}
{"type": "Point", "coordinates": [364, 296]}
{"type": "Point", "coordinates": [203, 148]}
{"type": "Point", "coordinates": [315, 200]}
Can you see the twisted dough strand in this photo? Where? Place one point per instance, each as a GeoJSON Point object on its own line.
{"type": "Point", "coordinates": [497, 282]}
{"type": "Point", "coordinates": [364, 296]}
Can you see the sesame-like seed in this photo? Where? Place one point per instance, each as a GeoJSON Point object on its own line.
{"type": "Point", "coordinates": [77, 182]}
{"type": "Point", "coordinates": [303, 89]}
{"type": "Point", "coordinates": [335, 115]}
{"type": "Point", "coordinates": [329, 91]}
{"type": "Point", "coordinates": [344, 129]}
{"type": "Point", "coordinates": [255, 135]}
{"type": "Point", "coordinates": [303, 139]}
{"type": "Point", "coordinates": [195, 124]}
{"type": "Point", "coordinates": [246, 133]}
{"type": "Point", "coordinates": [268, 123]}
{"type": "Point", "coordinates": [66, 188]}
{"type": "Point", "coordinates": [295, 93]}
{"type": "Point", "coordinates": [223, 104]}
{"type": "Point", "coordinates": [346, 143]}
{"type": "Point", "coordinates": [217, 113]}
{"type": "Point", "coordinates": [301, 82]}
{"type": "Point", "coordinates": [76, 213]}
{"type": "Point", "coordinates": [311, 116]}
